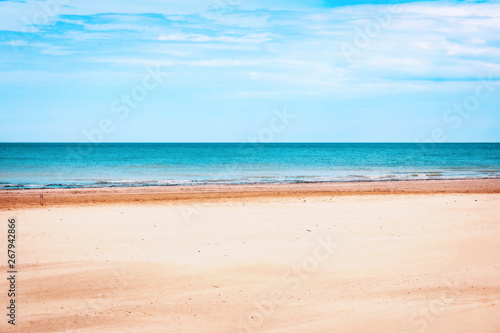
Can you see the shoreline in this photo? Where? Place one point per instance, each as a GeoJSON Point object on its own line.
{"type": "Point", "coordinates": [26, 198]}
{"type": "Point", "coordinates": [110, 184]}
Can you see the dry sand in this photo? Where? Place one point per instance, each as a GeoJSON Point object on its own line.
{"type": "Point", "coordinates": [422, 257]}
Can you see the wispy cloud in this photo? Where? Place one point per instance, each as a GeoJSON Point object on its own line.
{"type": "Point", "coordinates": [255, 49]}
{"type": "Point", "coordinates": [249, 38]}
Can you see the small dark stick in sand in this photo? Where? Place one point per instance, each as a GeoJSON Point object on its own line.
{"type": "Point", "coordinates": [41, 199]}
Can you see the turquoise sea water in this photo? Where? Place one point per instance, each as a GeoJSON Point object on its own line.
{"type": "Point", "coordinates": [52, 165]}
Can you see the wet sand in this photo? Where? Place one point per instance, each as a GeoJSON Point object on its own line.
{"type": "Point", "coordinates": [10, 199]}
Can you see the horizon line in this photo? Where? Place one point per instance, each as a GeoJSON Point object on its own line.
{"type": "Point", "coordinates": [240, 142]}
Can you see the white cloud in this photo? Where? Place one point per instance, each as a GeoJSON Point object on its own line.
{"type": "Point", "coordinates": [181, 37]}
{"type": "Point", "coordinates": [426, 41]}
{"type": "Point", "coordinates": [50, 49]}
{"type": "Point", "coordinates": [15, 42]}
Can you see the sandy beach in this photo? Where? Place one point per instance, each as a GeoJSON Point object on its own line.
{"type": "Point", "coordinates": [400, 257]}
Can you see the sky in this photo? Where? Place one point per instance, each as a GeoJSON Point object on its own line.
{"type": "Point", "coordinates": [241, 70]}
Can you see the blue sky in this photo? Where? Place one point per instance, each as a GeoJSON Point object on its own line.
{"type": "Point", "coordinates": [348, 71]}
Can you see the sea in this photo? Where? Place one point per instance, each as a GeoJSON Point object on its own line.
{"type": "Point", "coordinates": [76, 165]}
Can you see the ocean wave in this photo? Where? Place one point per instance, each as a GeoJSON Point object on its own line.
{"type": "Point", "coordinates": [246, 181]}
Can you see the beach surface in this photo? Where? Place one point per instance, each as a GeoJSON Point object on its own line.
{"type": "Point", "coordinates": [420, 256]}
